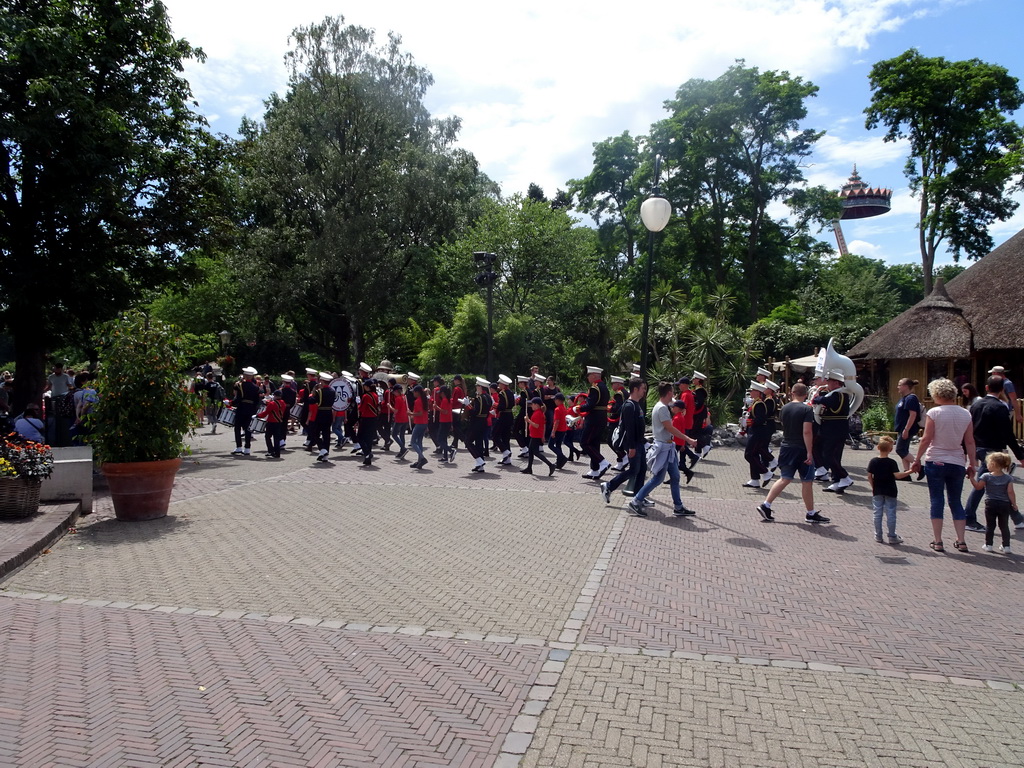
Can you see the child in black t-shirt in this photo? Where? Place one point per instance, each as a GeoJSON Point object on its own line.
{"type": "Point", "coordinates": [882, 476]}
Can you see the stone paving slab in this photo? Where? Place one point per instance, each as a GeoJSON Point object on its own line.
{"type": "Point", "coordinates": [24, 537]}
{"type": "Point", "coordinates": [726, 582]}
{"type": "Point", "coordinates": [482, 561]}
{"type": "Point", "coordinates": [99, 686]}
{"type": "Point", "coordinates": [639, 711]}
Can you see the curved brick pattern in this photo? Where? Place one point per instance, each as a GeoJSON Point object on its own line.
{"type": "Point", "coordinates": [635, 711]}
{"type": "Point", "coordinates": [725, 582]}
{"type": "Point", "coordinates": [457, 560]}
{"type": "Point", "coordinates": [91, 686]}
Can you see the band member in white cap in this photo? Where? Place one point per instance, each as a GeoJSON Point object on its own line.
{"type": "Point", "coordinates": [369, 410]}
{"type": "Point", "coordinates": [774, 405]}
{"type": "Point", "coordinates": [275, 411]}
{"type": "Point", "coordinates": [596, 411]}
{"type": "Point", "coordinates": [477, 408]}
{"type": "Point", "coordinates": [246, 402]}
{"type": "Point", "coordinates": [321, 415]}
{"type": "Point", "coordinates": [522, 408]}
{"type": "Point", "coordinates": [701, 416]}
{"type": "Point", "coordinates": [289, 395]}
{"type": "Point", "coordinates": [503, 428]}
{"type": "Point", "coordinates": [618, 397]}
{"type": "Point", "coordinates": [342, 396]}
{"type": "Point", "coordinates": [305, 392]}
{"type": "Point", "coordinates": [835, 429]}
{"type": "Point", "coordinates": [757, 436]}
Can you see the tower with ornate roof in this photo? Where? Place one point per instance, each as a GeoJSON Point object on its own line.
{"type": "Point", "coordinates": [860, 201]}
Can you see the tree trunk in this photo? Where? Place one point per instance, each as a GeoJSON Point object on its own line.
{"type": "Point", "coordinates": [30, 370]}
{"type": "Point", "coordinates": [927, 245]}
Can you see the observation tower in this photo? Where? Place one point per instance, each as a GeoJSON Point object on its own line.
{"type": "Point", "coordinates": [860, 202]}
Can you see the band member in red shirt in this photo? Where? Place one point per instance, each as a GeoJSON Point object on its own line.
{"type": "Point", "coordinates": [275, 411]}
{"type": "Point", "coordinates": [400, 417]}
{"type": "Point", "coordinates": [560, 431]}
{"type": "Point", "coordinates": [536, 427]}
{"type": "Point", "coordinates": [369, 410]}
{"type": "Point", "coordinates": [443, 405]}
{"type": "Point", "coordinates": [420, 420]}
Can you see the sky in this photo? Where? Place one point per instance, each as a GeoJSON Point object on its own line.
{"type": "Point", "coordinates": [536, 85]}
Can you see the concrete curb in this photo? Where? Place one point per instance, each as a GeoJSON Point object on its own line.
{"type": "Point", "coordinates": [26, 538]}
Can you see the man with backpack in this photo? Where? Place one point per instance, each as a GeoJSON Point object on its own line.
{"type": "Point", "coordinates": [630, 439]}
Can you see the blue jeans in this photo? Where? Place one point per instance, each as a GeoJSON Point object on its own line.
{"type": "Point", "coordinates": [948, 478]}
{"type": "Point", "coordinates": [416, 443]}
{"type": "Point", "coordinates": [671, 467]}
{"type": "Point", "coordinates": [975, 497]}
{"type": "Point", "coordinates": [888, 505]}
{"type": "Point", "coordinates": [398, 433]}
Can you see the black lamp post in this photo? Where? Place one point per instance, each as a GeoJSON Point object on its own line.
{"type": "Point", "coordinates": [486, 277]}
{"type": "Point", "coordinates": [655, 213]}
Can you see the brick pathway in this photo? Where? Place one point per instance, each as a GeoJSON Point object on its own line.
{"type": "Point", "coordinates": [287, 613]}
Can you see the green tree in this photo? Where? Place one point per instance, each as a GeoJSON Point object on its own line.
{"type": "Point", "coordinates": [350, 186]}
{"type": "Point", "coordinates": [966, 155]}
{"type": "Point", "coordinates": [108, 176]}
{"type": "Point", "coordinates": [733, 146]}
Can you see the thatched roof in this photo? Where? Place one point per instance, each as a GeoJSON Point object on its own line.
{"type": "Point", "coordinates": [985, 301]}
{"type": "Point", "coordinates": [991, 294]}
{"type": "Point", "coordinates": [934, 327]}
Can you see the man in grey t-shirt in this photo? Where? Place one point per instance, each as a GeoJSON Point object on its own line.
{"type": "Point", "coordinates": [666, 459]}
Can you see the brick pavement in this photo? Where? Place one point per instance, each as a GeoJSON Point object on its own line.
{"type": "Point", "coordinates": [550, 588]}
{"type": "Point", "coordinates": [612, 710]}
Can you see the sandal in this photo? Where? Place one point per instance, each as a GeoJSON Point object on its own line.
{"type": "Point", "coordinates": [960, 546]}
{"type": "Point", "coordinates": [937, 546]}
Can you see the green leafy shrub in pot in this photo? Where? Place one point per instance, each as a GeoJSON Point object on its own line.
{"type": "Point", "coordinates": [144, 409]}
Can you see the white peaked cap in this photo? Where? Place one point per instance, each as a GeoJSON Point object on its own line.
{"type": "Point", "coordinates": [757, 386]}
{"type": "Point", "coordinates": [772, 385]}
{"type": "Point", "coordinates": [483, 382]}
{"type": "Point", "coordinates": [346, 374]}
{"type": "Point", "coordinates": [594, 369]}
{"type": "Point", "coordinates": [618, 380]}
{"type": "Point", "coordinates": [763, 372]}
{"type": "Point", "coordinates": [313, 371]}
{"type": "Point", "coordinates": [325, 376]}
{"type": "Point", "coordinates": [412, 376]}
{"type": "Point", "coordinates": [286, 377]}
{"type": "Point", "coordinates": [249, 371]}
{"type": "Point", "coordinates": [522, 378]}
{"type": "Point", "coordinates": [539, 377]}
{"type": "Point", "coordinates": [365, 367]}
{"type": "Point", "coordinates": [636, 367]}
{"type": "Point", "coordinates": [504, 379]}
{"type": "Point", "coordinates": [836, 375]}
{"type": "Point", "coordinates": [699, 375]}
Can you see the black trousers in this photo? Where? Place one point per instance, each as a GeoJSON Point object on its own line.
{"type": "Point", "coordinates": [274, 435]}
{"type": "Point", "coordinates": [590, 441]}
{"type": "Point", "coordinates": [519, 431]}
{"type": "Point", "coordinates": [997, 511]}
{"type": "Point", "coordinates": [758, 439]}
{"type": "Point", "coordinates": [833, 440]}
{"type": "Point", "coordinates": [503, 432]}
{"type": "Point", "coordinates": [243, 418]}
{"type": "Point", "coordinates": [320, 431]}
{"type": "Point", "coordinates": [475, 435]}
{"type": "Point", "coordinates": [367, 431]}
{"type": "Point", "coordinates": [535, 444]}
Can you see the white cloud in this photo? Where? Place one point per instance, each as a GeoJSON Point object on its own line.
{"type": "Point", "coordinates": [535, 87]}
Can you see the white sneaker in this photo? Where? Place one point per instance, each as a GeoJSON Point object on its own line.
{"type": "Point", "coordinates": [237, 450]}
{"type": "Point", "coordinates": [705, 451]}
{"type": "Point", "coordinates": [897, 539]}
{"type": "Point", "coordinates": [774, 464]}
{"type": "Point", "coordinates": [245, 451]}
{"type": "Point", "coordinates": [820, 472]}
{"type": "Point", "coordinates": [1019, 526]}
{"type": "Point", "coordinates": [878, 538]}
{"type": "Point", "coordinates": [1005, 549]}
{"type": "Point", "coordinates": [752, 484]}
{"type": "Point", "coordinates": [846, 482]}
{"type": "Point", "coordinates": [987, 548]}
{"type": "Point", "coordinates": [766, 478]}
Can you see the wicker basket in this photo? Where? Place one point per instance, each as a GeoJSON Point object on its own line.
{"type": "Point", "coordinates": [19, 496]}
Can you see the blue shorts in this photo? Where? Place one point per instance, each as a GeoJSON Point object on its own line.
{"type": "Point", "coordinates": [792, 466]}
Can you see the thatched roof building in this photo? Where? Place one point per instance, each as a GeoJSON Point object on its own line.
{"type": "Point", "coordinates": [960, 330]}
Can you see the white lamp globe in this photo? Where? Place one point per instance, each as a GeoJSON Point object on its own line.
{"type": "Point", "coordinates": [655, 213]}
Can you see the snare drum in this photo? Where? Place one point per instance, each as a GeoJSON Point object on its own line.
{"type": "Point", "coordinates": [296, 411]}
{"type": "Point", "coordinates": [227, 417]}
{"type": "Point", "coordinates": [258, 425]}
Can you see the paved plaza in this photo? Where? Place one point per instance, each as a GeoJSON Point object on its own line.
{"type": "Point", "coordinates": [294, 614]}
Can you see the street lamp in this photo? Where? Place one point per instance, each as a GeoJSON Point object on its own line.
{"type": "Point", "coordinates": [225, 339]}
{"type": "Point", "coordinates": [655, 213]}
{"type": "Point", "coordinates": [486, 277]}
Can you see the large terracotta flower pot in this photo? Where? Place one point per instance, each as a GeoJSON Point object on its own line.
{"type": "Point", "coordinates": [141, 490]}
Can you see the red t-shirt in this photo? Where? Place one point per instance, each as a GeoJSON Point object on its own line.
{"type": "Point", "coordinates": [420, 415]}
{"type": "Point", "coordinates": [369, 405]}
{"type": "Point", "coordinates": [458, 394]}
{"type": "Point", "coordinates": [560, 413]}
{"type": "Point", "coordinates": [687, 397]}
{"type": "Point", "coordinates": [537, 424]}
{"type": "Point", "coordinates": [401, 407]}
{"type": "Point", "coordinates": [678, 421]}
{"type": "Point", "coordinates": [444, 410]}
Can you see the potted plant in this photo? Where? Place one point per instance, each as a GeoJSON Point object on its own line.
{"type": "Point", "coordinates": [24, 464]}
{"type": "Point", "coordinates": [144, 412]}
